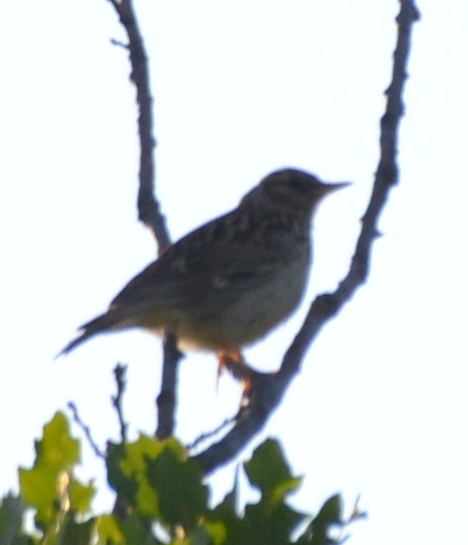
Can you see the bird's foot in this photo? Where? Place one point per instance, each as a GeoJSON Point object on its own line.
{"type": "Point", "coordinates": [235, 363]}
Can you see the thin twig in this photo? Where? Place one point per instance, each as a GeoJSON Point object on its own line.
{"type": "Point", "coordinates": [121, 510]}
{"type": "Point", "coordinates": [208, 435]}
{"type": "Point", "coordinates": [86, 430]}
{"type": "Point", "coordinates": [117, 401]}
{"type": "Point", "coordinates": [267, 391]}
{"type": "Point", "coordinates": [118, 43]}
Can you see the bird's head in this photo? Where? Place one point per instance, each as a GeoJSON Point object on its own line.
{"type": "Point", "coordinates": [290, 189]}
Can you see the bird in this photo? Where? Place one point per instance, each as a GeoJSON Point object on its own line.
{"type": "Point", "coordinates": [228, 283]}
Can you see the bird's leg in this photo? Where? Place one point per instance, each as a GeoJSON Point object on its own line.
{"type": "Point", "coordinates": [234, 362]}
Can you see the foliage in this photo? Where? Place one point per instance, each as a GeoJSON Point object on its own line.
{"type": "Point", "coordinates": [162, 498]}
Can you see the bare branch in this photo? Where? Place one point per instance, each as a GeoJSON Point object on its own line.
{"type": "Point", "coordinates": [209, 435]}
{"type": "Point", "coordinates": [117, 401]}
{"type": "Point", "coordinates": [86, 430]}
{"type": "Point", "coordinates": [167, 399]}
{"type": "Point", "coordinates": [118, 43]}
{"type": "Point", "coordinates": [149, 209]}
{"type": "Point", "coordinates": [265, 394]}
{"type": "Point", "coordinates": [267, 390]}
{"type": "Point", "coordinates": [121, 509]}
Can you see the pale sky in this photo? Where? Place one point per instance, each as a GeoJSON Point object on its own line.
{"type": "Point", "coordinates": [243, 88]}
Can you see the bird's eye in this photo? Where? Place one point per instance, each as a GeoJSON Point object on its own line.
{"type": "Point", "coordinates": [298, 185]}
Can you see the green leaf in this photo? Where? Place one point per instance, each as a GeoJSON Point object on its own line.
{"type": "Point", "coordinates": [57, 448]}
{"type": "Point", "coordinates": [215, 530]}
{"type": "Point", "coordinates": [123, 482]}
{"type": "Point", "coordinates": [230, 502]}
{"type": "Point", "coordinates": [269, 471]}
{"type": "Point", "coordinates": [182, 496]}
{"type": "Point", "coordinates": [80, 496]}
{"type": "Point", "coordinates": [137, 530]}
{"type": "Point", "coordinates": [50, 486]}
{"type": "Point", "coordinates": [11, 519]}
{"type": "Point", "coordinates": [156, 478]}
{"type": "Point", "coordinates": [271, 520]}
{"type": "Point", "coordinates": [272, 526]}
{"type": "Point", "coordinates": [329, 515]}
{"type": "Point", "coordinates": [226, 513]}
{"type": "Point", "coordinates": [108, 531]}
{"type": "Point", "coordinates": [127, 465]}
{"type": "Point", "coordinates": [76, 533]}
{"type": "Point", "coordinates": [45, 486]}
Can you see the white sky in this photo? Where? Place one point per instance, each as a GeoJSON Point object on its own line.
{"type": "Point", "coordinates": [242, 88]}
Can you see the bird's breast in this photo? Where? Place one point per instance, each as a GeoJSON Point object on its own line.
{"type": "Point", "coordinates": [243, 315]}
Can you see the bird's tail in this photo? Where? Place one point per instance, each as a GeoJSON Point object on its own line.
{"type": "Point", "coordinates": [105, 323]}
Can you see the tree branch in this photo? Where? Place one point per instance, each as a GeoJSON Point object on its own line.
{"type": "Point", "coordinates": [117, 400]}
{"type": "Point", "coordinates": [86, 430]}
{"type": "Point", "coordinates": [149, 209]}
{"type": "Point", "coordinates": [267, 390]}
{"type": "Point", "coordinates": [167, 400]}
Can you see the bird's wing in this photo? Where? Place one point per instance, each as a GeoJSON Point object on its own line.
{"type": "Point", "coordinates": [231, 251]}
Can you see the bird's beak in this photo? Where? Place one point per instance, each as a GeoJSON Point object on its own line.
{"type": "Point", "coordinates": [339, 185]}
{"type": "Point", "coordinates": [326, 189]}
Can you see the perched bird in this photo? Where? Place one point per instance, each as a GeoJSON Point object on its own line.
{"type": "Point", "coordinates": [229, 282]}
